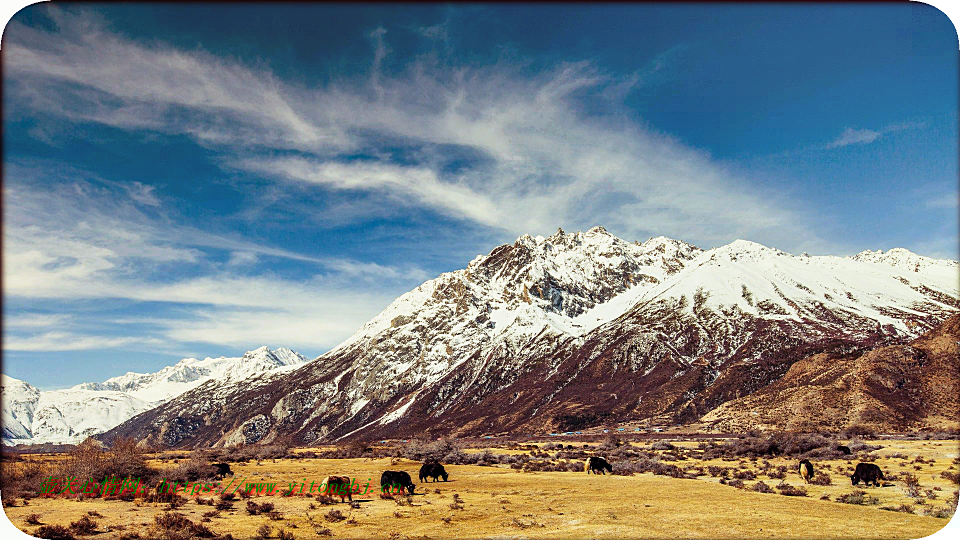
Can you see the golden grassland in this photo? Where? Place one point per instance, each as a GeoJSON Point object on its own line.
{"type": "Point", "coordinates": [498, 502]}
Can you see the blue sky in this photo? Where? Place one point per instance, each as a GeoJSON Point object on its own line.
{"type": "Point", "coordinates": [199, 180]}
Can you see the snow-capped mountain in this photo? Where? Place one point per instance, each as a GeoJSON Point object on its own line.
{"type": "Point", "coordinates": [189, 373]}
{"type": "Point", "coordinates": [571, 329]}
{"type": "Point", "coordinates": [31, 416]}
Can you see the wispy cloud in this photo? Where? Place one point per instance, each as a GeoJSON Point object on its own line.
{"type": "Point", "coordinates": [945, 200]}
{"type": "Point", "coordinates": [69, 242]}
{"type": "Point", "coordinates": [542, 161]}
{"type": "Point", "coordinates": [67, 341]}
{"type": "Point", "coordinates": [867, 136]}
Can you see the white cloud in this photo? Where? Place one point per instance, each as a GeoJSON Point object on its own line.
{"type": "Point", "coordinates": [67, 341]}
{"type": "Point", "coordinates": [855, 136]}
{"type": "Point", "coordinates": [946, 200]}
{"type": "Point", "coordinates": [867, 136]}
{"type": "Point", "coordinates": [242, 258]}
{"type": "Point", "coordinates": [35, 320]}
{"type": "Point", "coordinates": [543, 162]}
{"type": "Point", "coordinates": [82, 243]}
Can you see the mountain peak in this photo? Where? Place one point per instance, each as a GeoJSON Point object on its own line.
{"type": "Point", "coordinates": [905, 259]}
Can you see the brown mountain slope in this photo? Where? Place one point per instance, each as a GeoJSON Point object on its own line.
{"type": "Point", "coordinates": [895, 388]}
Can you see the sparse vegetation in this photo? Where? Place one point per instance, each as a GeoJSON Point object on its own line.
{"type": "Point", "coordinates": [857, 496]}
{"type": "Point", "coordinates": [54, 532]}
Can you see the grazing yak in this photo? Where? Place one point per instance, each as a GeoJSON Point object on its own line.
{"type": "Point", "coordinates": [845, 450]}
{"type": "Point", "coordinates": [868, 472]}
{"type": "Point", "coordinates": [597, 465]}
{"type": "Point", "coordinates": [337, 485]}
{"type": "Point", "coordinates": [223, 469]}
{"type": "Point", "coordinates": [432, 470]}
{"type": "Point", "coordinates": [806, 471]}
{"type": "Point", "coordinates": [391, 481]}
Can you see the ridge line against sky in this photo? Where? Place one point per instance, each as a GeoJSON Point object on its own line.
{"type": "Point", "coordinates": [205, 188]}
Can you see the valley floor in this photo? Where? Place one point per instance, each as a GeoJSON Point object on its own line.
{"type": "Point", "coordinates": [498, 502]}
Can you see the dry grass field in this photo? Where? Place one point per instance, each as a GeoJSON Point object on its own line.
{"type": "Point", "coordinates": [500, 502]}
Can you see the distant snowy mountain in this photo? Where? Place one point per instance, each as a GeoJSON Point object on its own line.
{"type": "Point", "coordinates": [572, 329]}
{"type": "Point", "coordinates": [31, 416]}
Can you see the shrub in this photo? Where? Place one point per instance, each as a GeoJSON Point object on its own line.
{"type": "Point", "coordinates": [33, 519]}
{"type": "Point", "coordinates": [256, 509]}
{"type": "Point", "coordinates": [857, 496]}
{"type": "Point", "coordinates": [791, 491]}
{"type": "Point", "coordinates": [83, 526]}
{"type": "Point", "coordinates": [857, 445]}
{"type": "Point", "coordinates": [610, 442]}
{"type": "Point", "coordinates": [717, 471]}
{"type": "Point", "coordinates": [762, 488]}
{"type": "Point", "coordinates": [176, 525]}
{"type": "Point", "coordinates": [907, 508]}
{"type": "Point", "coordinates": [858, 430]}
{"type": "Point", "coordinates": [951, 476]}
{"type": "Point", "coordinates": [821, 479]}
{"type": "Point", "coordinates": [334, 516]}
{"type": "Point", "coordinates": [274, 515]}
{"type": "Point", "coordinates": [54, 532]}
{"type": "Point", "coordinates": [284, 535]}
{"type": "Point", "coordinates": [263, 532]}
{"type": "Point", "coordinates": [912, 484]}
{"type": "Point", "coordinates": [224, 505]}
{"type": "Point", "coordinates": [737, 483]}
{"type": "Point", "coordinates": [22, 479]}
{"type": "Point", "coordinates": [943, 512]}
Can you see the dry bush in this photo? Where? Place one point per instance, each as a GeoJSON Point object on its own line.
{"type": "Point", "coordinates": [951, 476]}
{"type": "Point", "coordinates": [821, 479]}
{"type": "Point", "coordinates": [610, 442]}
{"type": "Point", "coordinates": [779, 473]}
{"type": "Point", "coordinates": [912, 484]}
{"type": "Point", "coordinates": [857, 445]}
{"type": "Point", "coordinates": [274, 515]}
{"type": "Point", "coordinates": [22, 479]}
{"type": "Point", "coordinates": [255, 509]}
{"type": "Point", "coordinates": [762, 488]}
{"type": "Point", "coordinates": [737, 483]}
{"type": "Point", "coordinates": [33, 519]}
{"type": "Point", "coordinates": [53, 532]}
{"type": "Point", "coordinates": [716, 471]}
{"type": "Point", "coordinates": [432, 451]}
{"type": "Point", "coordinates": [858, 430]}
{"type": "Point", "coordinates": [857, 496]}
{"type": "Point", "coordinates": [334, 516]}
{"type": "Point", "coordinates": [191, 470]}
{"type": "Point", "coordinates": [284, 535]}
{"type": "Point", "coordinates": [800, 445]}
{"type": "Point", "coordinates": [263, 532]}
{"type": "Point", "coordinates": [173, 525]}
{"type": "Point", "coordinates": [791, 491]}
{"type": "Point", "coordinates": [83, 526]}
